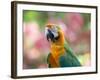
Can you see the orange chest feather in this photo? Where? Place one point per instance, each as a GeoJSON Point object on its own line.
{"type": "Point", "coordinates": [56, 52]}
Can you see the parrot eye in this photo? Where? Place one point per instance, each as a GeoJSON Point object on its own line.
{"type": "Point", "coordinates": [54, 29]}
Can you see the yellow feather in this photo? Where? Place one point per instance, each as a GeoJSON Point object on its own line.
{"type": "Point", "coordinates": [57, 48]}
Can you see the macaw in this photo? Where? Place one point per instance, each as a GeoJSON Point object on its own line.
{"type": "Point", "coordinates": [61, 55]}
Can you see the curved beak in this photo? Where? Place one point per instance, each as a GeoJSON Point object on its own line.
{"type": "Point", "coordinates": [51, 35]}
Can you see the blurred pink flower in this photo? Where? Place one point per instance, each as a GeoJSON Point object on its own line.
{"type": "Point", "coordinates": [32, 54]}
{"type": "Point", "coordinates": [73, 27]}
{"type": "Point", "coordinates": [42, 44]}
{"type": "Point", "coordinates": [71, 36]}
{"type": "Point", "coordinates": [31, 31]}
{"type": "Point", "coordinates": [75, 21]}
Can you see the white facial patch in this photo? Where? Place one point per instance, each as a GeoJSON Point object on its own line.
{"type": "Point", "coordinates": [55, 33]}
{"type": "Point", "coordinates": [46, 31]}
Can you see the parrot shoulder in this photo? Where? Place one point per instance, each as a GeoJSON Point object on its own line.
{"type": "Point", "coordinates": [69, 59]}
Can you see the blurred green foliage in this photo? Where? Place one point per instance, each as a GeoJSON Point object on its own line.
{"type": "Point", "coordinates": [30, 15]}
{"type": "Point", "coordinates": [87, 19]}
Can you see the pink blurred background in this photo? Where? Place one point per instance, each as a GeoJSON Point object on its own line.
{"type": "Point", "coordinates": [76, 28]}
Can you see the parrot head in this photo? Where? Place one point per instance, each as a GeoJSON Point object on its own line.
{"type": "Point", "coordinates": [54, 34]}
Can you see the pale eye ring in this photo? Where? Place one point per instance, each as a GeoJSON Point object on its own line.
{"type": "Point", "coordinates": [55, 28]}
